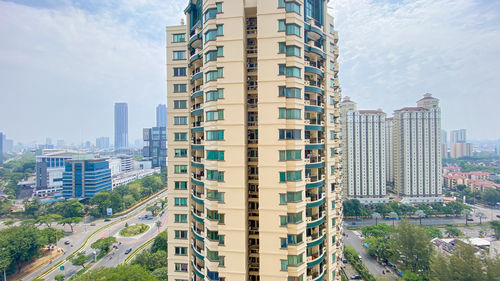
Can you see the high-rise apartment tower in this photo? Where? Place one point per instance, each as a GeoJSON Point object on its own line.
{"type": "Point", "coordinates": [417, 151]}
{"type": "Point", "coordinates": [121, 125]}
{"type": "Point", "coordinates": [161, 115]}
{"type": "Point", "coordinates": [253, 133]}
{"type": "Point", "coordinates": [364, 140]}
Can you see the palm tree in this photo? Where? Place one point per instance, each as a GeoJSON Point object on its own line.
{"type": "Point", "coordinates": [420, 214]}
{"type": "Point", "coordinates": [158, 224]}
{"type": "Point", "coordinates": [481, 216]}
{"type": "Point", "coordinates": [376, 216]}
{"type": "Point", "coordinates": [394, 216]}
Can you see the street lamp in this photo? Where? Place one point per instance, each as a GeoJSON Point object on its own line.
{"type": "Point", "coordinates": [95, 256]}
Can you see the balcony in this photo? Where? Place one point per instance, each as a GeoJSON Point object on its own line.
{"type": "Point", "coordinates": [198, 176]}
{"type": "Point", "coordinates": [198, 140]}
{"type": "Point", "coordinates": [197, 124]}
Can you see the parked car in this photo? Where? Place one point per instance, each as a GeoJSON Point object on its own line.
{"type": "Point", "coordinates": [360, 257]}
{"type": "Point", "coordinates": [355, 277]}
{"type": "Point", "coordinates": [498, 216]}
{"type": "Point", "coordinates": [128, 251]}
{"type": "Point", "coordinates": [67, 242]}
{"type": "Point", "coordinates": [470, 219]}
{"type": "Point", "coordinates": [107, 219]}
{"type": "Point", "coordinates": [92, 224]}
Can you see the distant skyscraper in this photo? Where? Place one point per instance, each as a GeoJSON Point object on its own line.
{"type": "Point", "coordinates": [458, 136]}
{"type": "Point", "coordinates": [48, 141]}
{"type": "Point", "coordinates": [417, 151]}
{"type": "Point", "coordinates": [121, 125]}
{"type": "Point", "coordinates": [102, 142]}
{"type": "Point", "coordinates": [444, 144]}
{"type": "Point", "coordinates": [60, 144]}
{"type": "Point", "coordinates": [364, 155]}
{"type": "Point", "coordinates": [161, 115]}
{"type": "Point", "coordinates": [389, 151]}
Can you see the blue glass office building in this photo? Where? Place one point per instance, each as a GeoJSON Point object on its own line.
{"type": "Point", "coordinates": [85, 178]}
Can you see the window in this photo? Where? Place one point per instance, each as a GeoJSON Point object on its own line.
{"type": "Point", "coordinates": [215, 155]}
{"type": "Point", "coordinates": [180, 218]}
{"type": "Point", "coordinates": [332, 101]}
{"type": "Point", "coordinates": [215, 95]}
{"type": "Point", "coordinates": [180, 185]}
{"type": "Point", "coordinates": [332, 170]}
{"type": "Point", "coordinates": [290, 134]}
{"type": "Point", "coordinates": [178, 152]}
{"type": "Point", "coordinates": [180, 251]}
{"type": "Point", "coordinates": [179, 37]}
{"type": "Point", "coordinates": [212, 255]}
{"type": "Point", "coordinates": [332, 152]}
{"type": "Point", "coordinates": [282, 199]}
{"type": "Point", "coordinates": [214, 74]}
{"type": "Point", "coordinates": [179, 88]}
{"type": "Point", "coordinates": [219, 7]}
{"type": "Point", "coordinates": [283, 243]}
{"type": "Point", "coordinates": [294, 239]}
{"type": "Point", "coordinates": [292, 71]}
{"type": "Point", "coordinates": [180, 169]}
{"type": "Point", "coordinates": [290, 155]}
{"type": "Point", "coordinates": [284, 265]}
{"type": "Point", "coordinates": [289, 92]}
{"type": "Point", "coordinates": [332, 118]}
{"type": "Point", "coordinates": [281, 3]}
{"type": "Point", "coordinates": [290, 176]}
{"type": "Point", "coordinates": [332, 134]}
{"type": "Point", "coordinates": [181, 234]}
{"type": "Point", "coordinates": [215, 195]}
{"type": "Point", "coordinates": [220, 51]}
{"type": "Point", "coordinates": [292, 51]}
{"type": "Point", "coordinates": [283, 220]}
{"type": "Point", "coordinates": [179, 104]}
{"type": "Point", "coordinates": [331, 47]}
{"type": "Point", "coordinates": [293, 218]}
{"type": "Point", "coordinates": [333, 207]}
{"type": "Point", "coordinates": [179, 71]}
{"type": "Point", "coordinates": [215, 175]}
{"type": "Point", "coordinates": [281, 47]}
{"type": "Point", "coordinates": [294, 197]}
{"type": "Point", "coordinates": [215, 115]}
{"type": "Point", "coordinates": [331, 83]}
{"type": "Point", "coordinates": [210, 14]}
{"type": "Point", "coordinates": [293, 29]}
{"type": "Point", "coordinates": [180, 201]}
{"type": "Point", "coordinates": [213, 215]}
{"type": "Point", "coordinates": [292, 7]}
{"type": "Point", "coordinates": [331, 65]}
{"type": "Point", "coordinates": [215, 135]}
{"type": "Point", "coordinates": [210, 35]}
{"type": "Point", "coordinates": [281, 25]}
{"type": "Point", "coordinates": [289, 113]}
{"type": "Point", "coordinates": [281, 69]}
{"type": "Point", "coordinates": [179, 55]}
{"type": "Point", "coordinates": [220, 30]}
{"type": "Point", "coordinates": [182, 267]}
{"type": "Point", "coordinates": [295, 260]}
{"type": "Point", "coordinates": [180, 120]}
{"type": "Point", "coordinates": [211, 56]}
{"type": "Point", "coordinates": [331, 28]}
{"type": "Point", "coordinates": [180, 136]}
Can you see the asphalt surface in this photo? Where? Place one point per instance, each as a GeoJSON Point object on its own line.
{"type": "Point", "coordinates": [83, 230]}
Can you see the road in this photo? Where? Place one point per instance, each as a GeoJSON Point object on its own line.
{"type": "Point", "coordinates": [84, 230]}
{"type": "Point", "coordinates": [353, 238]}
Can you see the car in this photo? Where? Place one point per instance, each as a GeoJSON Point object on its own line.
{"type": "Point", "coordinates": [355, 277]}
{"type": "Point", "coordinates": [498, 216]}
{"type": "Point", "coordinates": [344, 261]}
{"type": "Point", "coordinates": [67, 243]}
{"type": "Point", "coordinates": [92, 224]}
{"type": "Point", "coordinates": [360, 257]}
{"type": "Point", "coordinates": [107, 219]}
{"type": "Point", "coordinates": [128, 251]}
{"type": "Point", "coordinates": [470, 219]}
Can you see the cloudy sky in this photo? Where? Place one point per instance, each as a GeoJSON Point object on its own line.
{"type": "Point", "coordinates": [63, 63]}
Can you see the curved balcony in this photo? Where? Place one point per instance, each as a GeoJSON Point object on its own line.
{"type": "Point", "coordinates": [312, 47]}
{"type": "Point", "coordinates": [198, 236]}
{"type": "Point", "coordinates": [315, 128]}
{"type": "Point", "coordinates": [314, 30]}
{"type": "Point", "coordinates": [197, 198]}
{"type": "Point", "coordinates": [314, 87]}
{"type": "Point", "coordinates": [196, 76]}
{"type": "Point", "coordinates": [316, 238]}
{"type": "Point", "coordinates": [196, 55]}
{"type": "Point", "coordinates": [315, 259]}
{"type": "Point", "coordinates": [195, 40]}
{"type": "Point", "coordinates": [197, 94]}
{"type": "Point", "coordinates": [198, 270]}
{"type": "Point", "coordinates": [315, 200]}
{"type": "Point", "coordinates": [314, 70]}
{"type": "Point", "coordinates": [198, 252]}
{"type": "Point", "coordinates": [318, 276]}
{"type": "Point", "coordinates": [198, 216]}
{"type": "Point", "coordinates": [314, 178]}
{"type": "Point", "coordinates": [316, 220]}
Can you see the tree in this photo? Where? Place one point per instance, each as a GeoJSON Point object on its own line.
{"type": "Point", "coordinates": [382, 230]}
{"type": "Point", "coordinates": [481, 216]}
{"type": "Point", "coordinates": [70, 222]}
{"type": "Point", "coordinates": [466, 213]}
{"type": "Point", "coordinates": [491, 196]}
{"type": "Point", "coordinates": [420, 214]}
{"type": "Point", "coordinates": [414, 246]}
{"type": "Point", "coordinates": [50, 235]}
{"type": "Point", "coordinates": [150, 260]}
{"type": "Point", "coordinates": [59, 277]}
{"type": "Point", "coordinates": [153, 209]}
{"type": "Point", "coordinates": [495, 225]}
{"type": "Point", "coordinates": [123, 272]}
{"type": "Point", "coordinates": [103, 244]}
{"type": "Point", "coordinates": [161, 273]}
{"type": "Point", "coordinates": [5, 260]}
{"type": "Point", "coordinates": [433, 232]}
{"type": "Point", "coordinates": [383, 209]}
{"type": "Point", "coordinates": [463, 265]}
{"type": "Point", "coordinates": [31, 208]}
{"type": "Point", "coordinates": [452, 231]}
{"type": "Point", "coordinates": [69, 208]}
{"type": "Point", "coordinates": [376, 216]}
{"type": "Point", "coordinates": [48, 219]}
{"type": "Point", "coordinates": [393, 216]}
{"type": "Point", "coordinates": [21, 242]}
{"type": "Point", "coordinates": [80, 260]}
{"type": "Point", "coordinates": [158, 224]}
{"type": "Point", "coordinates": [160, 242]}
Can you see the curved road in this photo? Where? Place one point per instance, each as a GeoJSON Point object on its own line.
{"type": "Point", "coordinates": [83, 231]}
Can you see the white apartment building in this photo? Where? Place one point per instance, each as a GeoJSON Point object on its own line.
{"type": "Point", "coordinates": [389, 151]}
{"type": "Point", "coordinates": [417, 151]}
{"type": "Point", "coordinates": [364, 155]}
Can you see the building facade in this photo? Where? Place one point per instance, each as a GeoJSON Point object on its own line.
{"type": "Point", "coordinates": [364, 139]}
{"type": "Point", "coordinates": [102, 143]}
{"type": "Point", "coordinates": [121, 125]}
{"type": "Point", "coordinates": [49, 168]}
{"type": "Point", "coordinates": [458, 150]}
{"type": "Point", "coordinates": [83, 178]}
{"type": "Point", "coordinates": [389, 151]}
{"type": "Point", "coordinates": [458, 136]}
{"type": "Point", "coordinates": [417, 152]}
{"type": "Point", "coordinates": [161, 115]}
{"type": "Point", "coordinates": [155, 146]}
{"type": "Point", "coordinates": [253, 133]}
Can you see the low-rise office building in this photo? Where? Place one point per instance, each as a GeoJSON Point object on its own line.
{"type": "Point", "coordinates": [84, 177]}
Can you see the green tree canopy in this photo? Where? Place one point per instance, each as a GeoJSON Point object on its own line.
{"type": "Point", "coordinates": [151, 261]}
{"type": "Point", "coordinates": [103, 244]}
{"type": "Point", "coordinates": [122, 272]}
{"type": "Point", "coordinates": [414, 245]}
{"type": "Point", "coordinates": [160, 242]}
{"type": "Point", "coordinates": [80, 260]}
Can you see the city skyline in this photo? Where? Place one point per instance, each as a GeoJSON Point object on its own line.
{"type": "Point", "coordinates": [423, 51]}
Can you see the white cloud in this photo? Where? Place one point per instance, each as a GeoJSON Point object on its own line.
{"type": "Point", "coordinates": [394, 51]}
